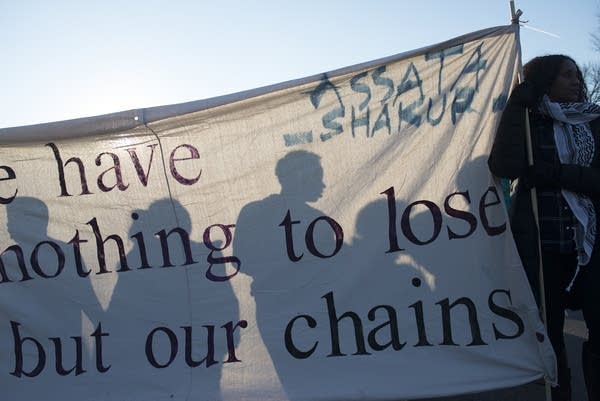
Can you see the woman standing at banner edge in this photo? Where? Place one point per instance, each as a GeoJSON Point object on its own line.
{"type": "Point", "coordinates": [565, 137]}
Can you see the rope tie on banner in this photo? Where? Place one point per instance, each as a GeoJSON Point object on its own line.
{"type": "Point", "coordinates": [515, 18]}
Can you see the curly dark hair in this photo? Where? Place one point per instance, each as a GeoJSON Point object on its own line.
{"type": "Point", "coordinates": [542, 71]}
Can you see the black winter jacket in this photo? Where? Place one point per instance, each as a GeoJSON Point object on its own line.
{"type": "Point", "coordinates": [508, 159]}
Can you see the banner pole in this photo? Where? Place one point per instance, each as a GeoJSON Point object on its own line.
{"type": "Point", "coordinates": [515, 14]}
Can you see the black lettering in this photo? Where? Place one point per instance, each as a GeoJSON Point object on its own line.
{"type": "Point", "coordinates": [460, 214]}
{"type": "Point", "coordinates": [18, 252]}
{"type": "Point", "coordinates": [230, 335]}
{"type": "Point", "coordinates": [334, 321]}
{"type": "Point", "coordinates": [100, 248]}
{"type": "Point", "coordinates": [61, 172]}
{"type": "Point", "coordinates": [116, 168]}
{"type": "Point", "coordinates": [447, 321]}
{"type": "Point", "coordinates": [436, 215]}
{"type": "Point", "coordinates": [392, 231]}
{"type": "Point", "coordinates": [10, 175]}
{"type": "Point", "coordinates": [78, 367]}
{"type": "Point", "coordinates": [506, 314]}
{"type": "Point", "coordinates": [420, 319]}
{"type": "Point", "coordinates": [491, 230]}
{"type": "Point", "coordinates": [76, 241]}
{"type": "Point", "coordinates": [141, 245]}
{"type": "Point", "coordinates": [289, 342]}
{"type": "Point", "coordinates": [337, 230]}
{"type": "Point", "coordinates": [391, 324]}
{"type": "Point", "coordinates": [193, 155]}
{"type": "Point", "coordinates": [98, 334]}
{"type": "Point", "coordinates": [150, 347]}
{"type": "Point", "coordinates": [210, 347]}
{"type": "Point", "coordinates": [289, 241]}
{"type": "Point", "coordinates": [35, 260]}
{"type": "Point", "coordinates": [234, 260]}
{"type": "Point", "coordinates": [185, 244]}
{"type": "Point", "coordinates": [18, 348]}
{"type": "Point", "coordinates": [142, 175]}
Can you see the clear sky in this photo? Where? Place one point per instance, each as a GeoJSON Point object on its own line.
{"type": "Point", "coordinates": [67, 59]}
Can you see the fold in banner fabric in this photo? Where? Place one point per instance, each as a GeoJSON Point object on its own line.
{"type": "Point", "coordinates": [337, 237]}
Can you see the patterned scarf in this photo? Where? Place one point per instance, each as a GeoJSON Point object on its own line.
{"type": "Point", "coordinates": [575, 145]}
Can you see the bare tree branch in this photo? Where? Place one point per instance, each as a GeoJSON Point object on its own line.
{"type": "Point", "coordinates": [591, 75]}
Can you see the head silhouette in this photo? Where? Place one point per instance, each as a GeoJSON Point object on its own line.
{"type": "Point", "coordinates": [369, 222]}
{"type": "Point", "coordinates": [161, 213]}
{"type": "Point", "coordinates": [27, 218]}
{"type": "Point", "coordinates": [301, 175]}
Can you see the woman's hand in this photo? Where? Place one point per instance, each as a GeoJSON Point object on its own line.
{"type": "Point", "coordinates": [543, 175]}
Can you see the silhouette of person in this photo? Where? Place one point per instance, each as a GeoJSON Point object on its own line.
{"type": "Point", "coordinates": [50, 298]}
{"type": "Point", "coordinates": [286, 264]}
{"type": "Point", "coordinates": [374, 265]}
{"type": "Point", "coordinates": [368, 264]}
{"type": "Point", "coordinates": [165, 301]}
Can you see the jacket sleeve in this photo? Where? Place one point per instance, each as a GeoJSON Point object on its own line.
{"type": "Point", "coordinates": [580, 179]}
{"type": "Point", "coordinates": [508, 158]}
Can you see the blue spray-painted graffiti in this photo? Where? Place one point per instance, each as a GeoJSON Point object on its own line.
{"type": "Point", "coordinates": [398, 105]}
{"type": "Point", "coordinates": [298, 138]}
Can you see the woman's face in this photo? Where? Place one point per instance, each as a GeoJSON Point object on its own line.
{"type": "Point", "coordinates": [566, 85]}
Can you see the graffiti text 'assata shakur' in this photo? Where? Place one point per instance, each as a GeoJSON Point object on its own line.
{"type": "Point", "coordinates": [399, 106]}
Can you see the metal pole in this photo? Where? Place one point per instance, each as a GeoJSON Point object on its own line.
{"type": "Point", "coordinates": [515, 14]}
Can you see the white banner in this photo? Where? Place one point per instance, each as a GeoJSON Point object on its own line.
{"type": "Point", "coordinates": [338, 237]}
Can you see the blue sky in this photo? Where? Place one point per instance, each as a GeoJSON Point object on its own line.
{"type": "Point", "coordinates": [69, 59]}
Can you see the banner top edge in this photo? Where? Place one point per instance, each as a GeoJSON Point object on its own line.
{"type": "Point", "coordinates": [112, 122]}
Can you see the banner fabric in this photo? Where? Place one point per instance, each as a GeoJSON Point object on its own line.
{"type": "Point", "coordinates": [337, 237]}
